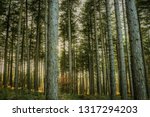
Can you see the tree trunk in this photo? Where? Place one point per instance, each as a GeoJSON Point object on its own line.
{"type": "Point", "coordinates": [22, 56]}
{"type": "Point", "coordinates": [17, 48]}
{"type": "Point", "coordinates": [52, 62]}
{"type": "Point", "coordinates": [36, 65]}
{"type": "Point", "coordinates": [70, 44]}
{"type": "Point", "coordinates": [106, 49]}
{"type": "Point", "coordinates": [122, 69]}
{"type": "Point", "coordinates": [97, 52]}
{"type": "Point", "coordinates": [137, 62]}
{"type": "Point", "coordinates": [111, 51]}
{"type": "Point", "coordinates": [127, 51]}
{"type": "Point", "coordinates": [46, 26]}
{"type": "Point", "coordinates": [28, 51]}
{"type": "Point", "coordinates": [11, 66]}
{"type": "Point", "coordinates": [90, 58]}
{"type": "Point", "coordinates": [102, 37]}
{"type": "Point", "coordinates": [6, 46]}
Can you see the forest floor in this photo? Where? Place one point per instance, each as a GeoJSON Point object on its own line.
{"type": "Point", "coordinates": [9, 94]}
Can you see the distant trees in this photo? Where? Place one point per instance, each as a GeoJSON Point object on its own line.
{"type": "Point", "coordinates": [97, 61]}
{"type": "Point", "coordinates": [68, 26]}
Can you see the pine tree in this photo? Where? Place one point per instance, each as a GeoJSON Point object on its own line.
{"type": "Point", "coordinates": [52, 60]}
{"type": "Point", "coordinates": [122, 66]}
{"type": "Point", "coordinates": [137, 62]}
{"type": "Point", "coordinates": [111, 51]}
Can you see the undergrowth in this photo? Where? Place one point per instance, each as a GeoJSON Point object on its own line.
{"type": "Point", "coordinates": [9, 94]}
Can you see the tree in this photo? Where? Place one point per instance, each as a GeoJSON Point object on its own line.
{"type": "Point", "coordinates": [122, 66]}
{"type": "Point", "coordinates": [6, 46]}
{"type": "Point", "coordinates": [17, 48]}
{"type": "Point", "coordinates": [52, 62]}
{"type": "Point", "coordinates": [128, 61]}
{"type": "Point", "coordinates": [68, 29]}
{"type": "Point", "coordinates": [137, 62]}
{"type": "Point", "coordinates": [97, 51]}
{"type": "Point", "coordinates": [111, 51]}
{"type": "Point", "coordinates": [46, 26]}
{"type": "Point", "coordinates": [86, 48]}
{"type": "Point", "coordinates": [28, 51]}
{"type": "Point", "coordinates": [36, 63]}
{"type": "Point", "coordinates": [70, 41]}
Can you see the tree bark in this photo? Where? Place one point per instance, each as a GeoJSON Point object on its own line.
{"type": "Point", "coordinates": [21, 61]}
{"type": "Point", "coordinates": [11, 66]}
{"type": "Point", "coordinates": [97, 52]}
{"type": "Point", "coordinates": [111, 51]}
{"type": "Point", "coordinates": [70, 44]}
{"type": "Point", "coordinates": [127, 50]}
{"type": "Point", "coordinates": [90, 57]}
{"type": "Point", "coordinates": [17, 48]}
{"type": "Point", "coordinates": [36, 65]}
{"type": "Point", "coordinates": [122, 66]}
{"type": "Point", "coordinates": [52, 62]}
{"type": "Point", "coordinates": [6, 46]}
{"type": "Point", "coordinates": [46, 35]}
{"type": "Point", "coordinates": [28, 51]}
{"type": "Point", "coordinates": [137, 62]}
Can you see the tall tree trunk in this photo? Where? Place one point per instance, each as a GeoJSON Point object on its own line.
{"type": "Point", "coordinates": [111, 51]}
{"type": "Point", "coordinates": [6, 46]}
{"type": "Point", "coordinates": [63, 68]}
{"type": "Point", "coordinates": [103, 63]}
{"type": "Point", "coordinates": [46, 26]}
{"type": "Point", "coordinates": [1, 69]}
{"type": "Point", "coordinates": [17, 48]}
{"type": "Point", "coordinates": [22, 57]}
{"type": "Point", "coordinates": [11, 66]}
{"type": "Point", "coordinates": [52, 62]}
{"type": "Point", "coordinates": [75, 71]}
{"type": "Point", "coordinates": [31, 67]}
{"type": "Point", "coordinates": [143, 56]}
{"type": "Point", "coordinates": [36, 65]}
{"type": "Point", "coordinates": [127, 50]}
{"type": "Point", "coordinates": [97, 52]}
{"type": "Point", "coordinates": [102, 37]}
{"type": "Point", "coordinates": [137, 62]}
{"type": "Point", "coordinates": [28, 51]}
{"type": "Point", "coordinates": [106, 50]}
{"type": "Point", "coordinates": [70, 43]}
{"type": "Point", "coordinates": [122, 66]}
{"type": "Point", "coordinates": [90, 58]}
